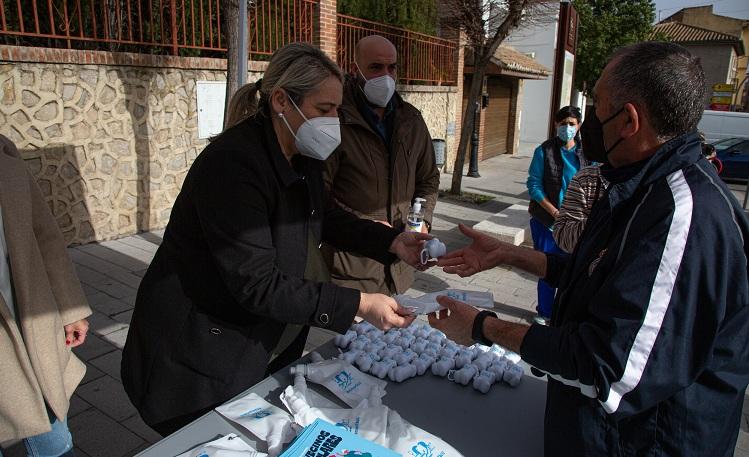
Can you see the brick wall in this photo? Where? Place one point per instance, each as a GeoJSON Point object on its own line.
{"type": "Point", "coordinates": [325, 33]}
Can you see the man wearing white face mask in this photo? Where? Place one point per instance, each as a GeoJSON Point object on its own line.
{"type": "Point", "coordinates": [239, 277]}
{"type": "Point", "coordinates": [384, 162]}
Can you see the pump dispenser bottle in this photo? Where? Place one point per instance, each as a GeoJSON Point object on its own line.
{"type": "Point", "coordinates": [416, 216]}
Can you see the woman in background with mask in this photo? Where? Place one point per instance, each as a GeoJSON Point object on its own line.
{"type": "Point", "coordinates": [238, 278]}
{"type": "Point", "coordinates": [554, 164]}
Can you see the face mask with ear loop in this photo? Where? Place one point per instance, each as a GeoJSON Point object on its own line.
{"type": "Point", "coordinates": [591, 133]}
{"type": "Point", "coordinates": [566, 132]}
{"type": "Point", "coordinates": [378, 90]}
{"type": "Point", "coordinates": [317, 137]}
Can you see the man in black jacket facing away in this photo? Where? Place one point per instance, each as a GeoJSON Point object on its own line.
{"type": "Point", "coordinates": [647, 350]}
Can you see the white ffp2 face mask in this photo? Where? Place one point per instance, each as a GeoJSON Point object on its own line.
{"type": "Point", "coordinates": [378, 90]}
{"type": "Point", "coordinates": [317, 137]}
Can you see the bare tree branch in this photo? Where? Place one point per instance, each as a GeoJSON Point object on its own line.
{"type": "Point", "coordinates": [485, 24]}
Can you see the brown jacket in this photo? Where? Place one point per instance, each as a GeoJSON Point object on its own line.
{"type": "Point", "coordinates": [357, 176]}
{"type": "Point", "coordinates": [35, 364]}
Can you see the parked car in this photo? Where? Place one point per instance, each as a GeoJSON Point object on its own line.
{"type": "Point", "coordinates": [726, 143]}
{"type": "Point", "coordinates": [719, 125]}
{"type": "Point", "coordinates": [734, 154]}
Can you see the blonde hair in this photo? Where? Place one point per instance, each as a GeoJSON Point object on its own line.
{"type": "Point", "coordinates": [242, 105]}
{"type": "Point", "coordinates": [297, 68]}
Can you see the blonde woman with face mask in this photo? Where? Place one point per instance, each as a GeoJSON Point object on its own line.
{"type": "Point", "coordinates": [239, 279]}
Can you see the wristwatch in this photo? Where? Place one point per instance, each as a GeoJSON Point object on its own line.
{"type": "Point", "coordinates": [477, 333]}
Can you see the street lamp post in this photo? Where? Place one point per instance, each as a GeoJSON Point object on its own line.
{"type": "Point", "coordinates": [473, 167]}
{"type": "Point", "coordinates": [242, 39]}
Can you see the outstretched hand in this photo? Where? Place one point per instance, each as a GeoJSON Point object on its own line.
{"type": "Point", "coordinates": [455, 321]}
{"type": "Point", "coordinates": [483, 253]}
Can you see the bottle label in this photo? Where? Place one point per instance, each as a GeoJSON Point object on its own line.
{"type": "Point", "coordinates": [413, 226]}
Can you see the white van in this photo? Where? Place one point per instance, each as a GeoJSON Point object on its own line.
{"type": "Point", "coordinates": [717, 125]}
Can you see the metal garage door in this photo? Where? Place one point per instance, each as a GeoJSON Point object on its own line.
{"type": "Point", "coordinates": [496, 118]}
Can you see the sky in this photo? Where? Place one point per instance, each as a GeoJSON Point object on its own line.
{"type": "Point", "coordinates": [732, 8]}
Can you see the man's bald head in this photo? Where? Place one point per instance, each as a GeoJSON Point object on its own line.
{"type": "Point", "coordinates": [375, 56]}
{"type": "Point", "coordinates": [373, 44]}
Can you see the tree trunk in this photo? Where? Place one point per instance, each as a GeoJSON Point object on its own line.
{"type": "Point", "coordinates": [481, 58]}
{"type": "Point", "coordinates": [230, 25]}
{"type": "Point", "coordinates": [466, 130]}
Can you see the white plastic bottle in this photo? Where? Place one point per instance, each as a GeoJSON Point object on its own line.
{"type": "Point", "coordinates": [416, 216]}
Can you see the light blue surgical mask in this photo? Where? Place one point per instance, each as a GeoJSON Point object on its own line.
{"type": "Point", "coordinates": [566, 132]}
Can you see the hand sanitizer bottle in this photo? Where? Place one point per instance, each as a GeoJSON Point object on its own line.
{"type": "Point", "coordinates": [416, 216]}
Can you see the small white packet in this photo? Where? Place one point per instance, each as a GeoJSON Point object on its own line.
{"type": "Point", "coordinates": [427, 303]}
{"type": "Point", "coordinates": [342, 341]}
{"type": "Point", "coordinates": [365, 420]}
{"type": "Point", "coordinates": [433, 249]}
{"type": "Point", "coordinates": [268, 422]}
{"type": "Point", "coordinates": [350, 356]}
{"type": "Point", "coordinates": [343, 379]}
{"type": "Point", "coordinates": [409, 440]}
{"type": "Point", "coordinates": [230, 445]}
{"type": "Point", "coordinates": [513, 357]}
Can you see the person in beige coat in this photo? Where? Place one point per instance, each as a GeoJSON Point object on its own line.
{"type": "Point", "coordinates": [42, 312]}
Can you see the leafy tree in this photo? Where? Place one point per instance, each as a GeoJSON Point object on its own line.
{"type": "Point", "coordinates": [606, 25]}
{"type": "Point", "coordinates": [416, 15]}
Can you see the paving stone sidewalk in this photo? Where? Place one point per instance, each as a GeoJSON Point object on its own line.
{"type": "Point", "coordinates": [101, 418]}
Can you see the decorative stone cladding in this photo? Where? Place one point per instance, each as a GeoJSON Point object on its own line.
{"type": "Point", "coordinates": [109, 137]}
{"type": "Point", "coordinates": [108, 144]}
{"type": "Point", "coordinates": [439, 106]}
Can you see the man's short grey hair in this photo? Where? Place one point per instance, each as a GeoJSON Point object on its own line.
{"type": "Point", "coordinates": [665, 79]}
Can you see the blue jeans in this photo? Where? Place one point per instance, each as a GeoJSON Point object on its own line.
{"type": "Point", "coordinates": [543, 241]}
{"type": "Point", "coordinates": [56, 443]}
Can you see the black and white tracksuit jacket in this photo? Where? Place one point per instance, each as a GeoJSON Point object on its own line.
{"type": "Point", "coordinates": [647, 353]}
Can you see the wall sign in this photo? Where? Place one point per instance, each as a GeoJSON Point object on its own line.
{"type": "Point", "coordinates": [211, 99]}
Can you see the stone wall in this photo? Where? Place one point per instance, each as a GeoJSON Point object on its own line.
{"type": "Point", "coordinates": [109, 137]}
{"type": "Point", "coordinates": [439, 106]}
{"type": "Point", "coordinates": [109, 145]}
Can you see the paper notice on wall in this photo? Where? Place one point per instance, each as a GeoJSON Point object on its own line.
{"type": "Point", "coordinates": [211, 99]}
{"type": "Point", "coordinates": [565, 97]}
